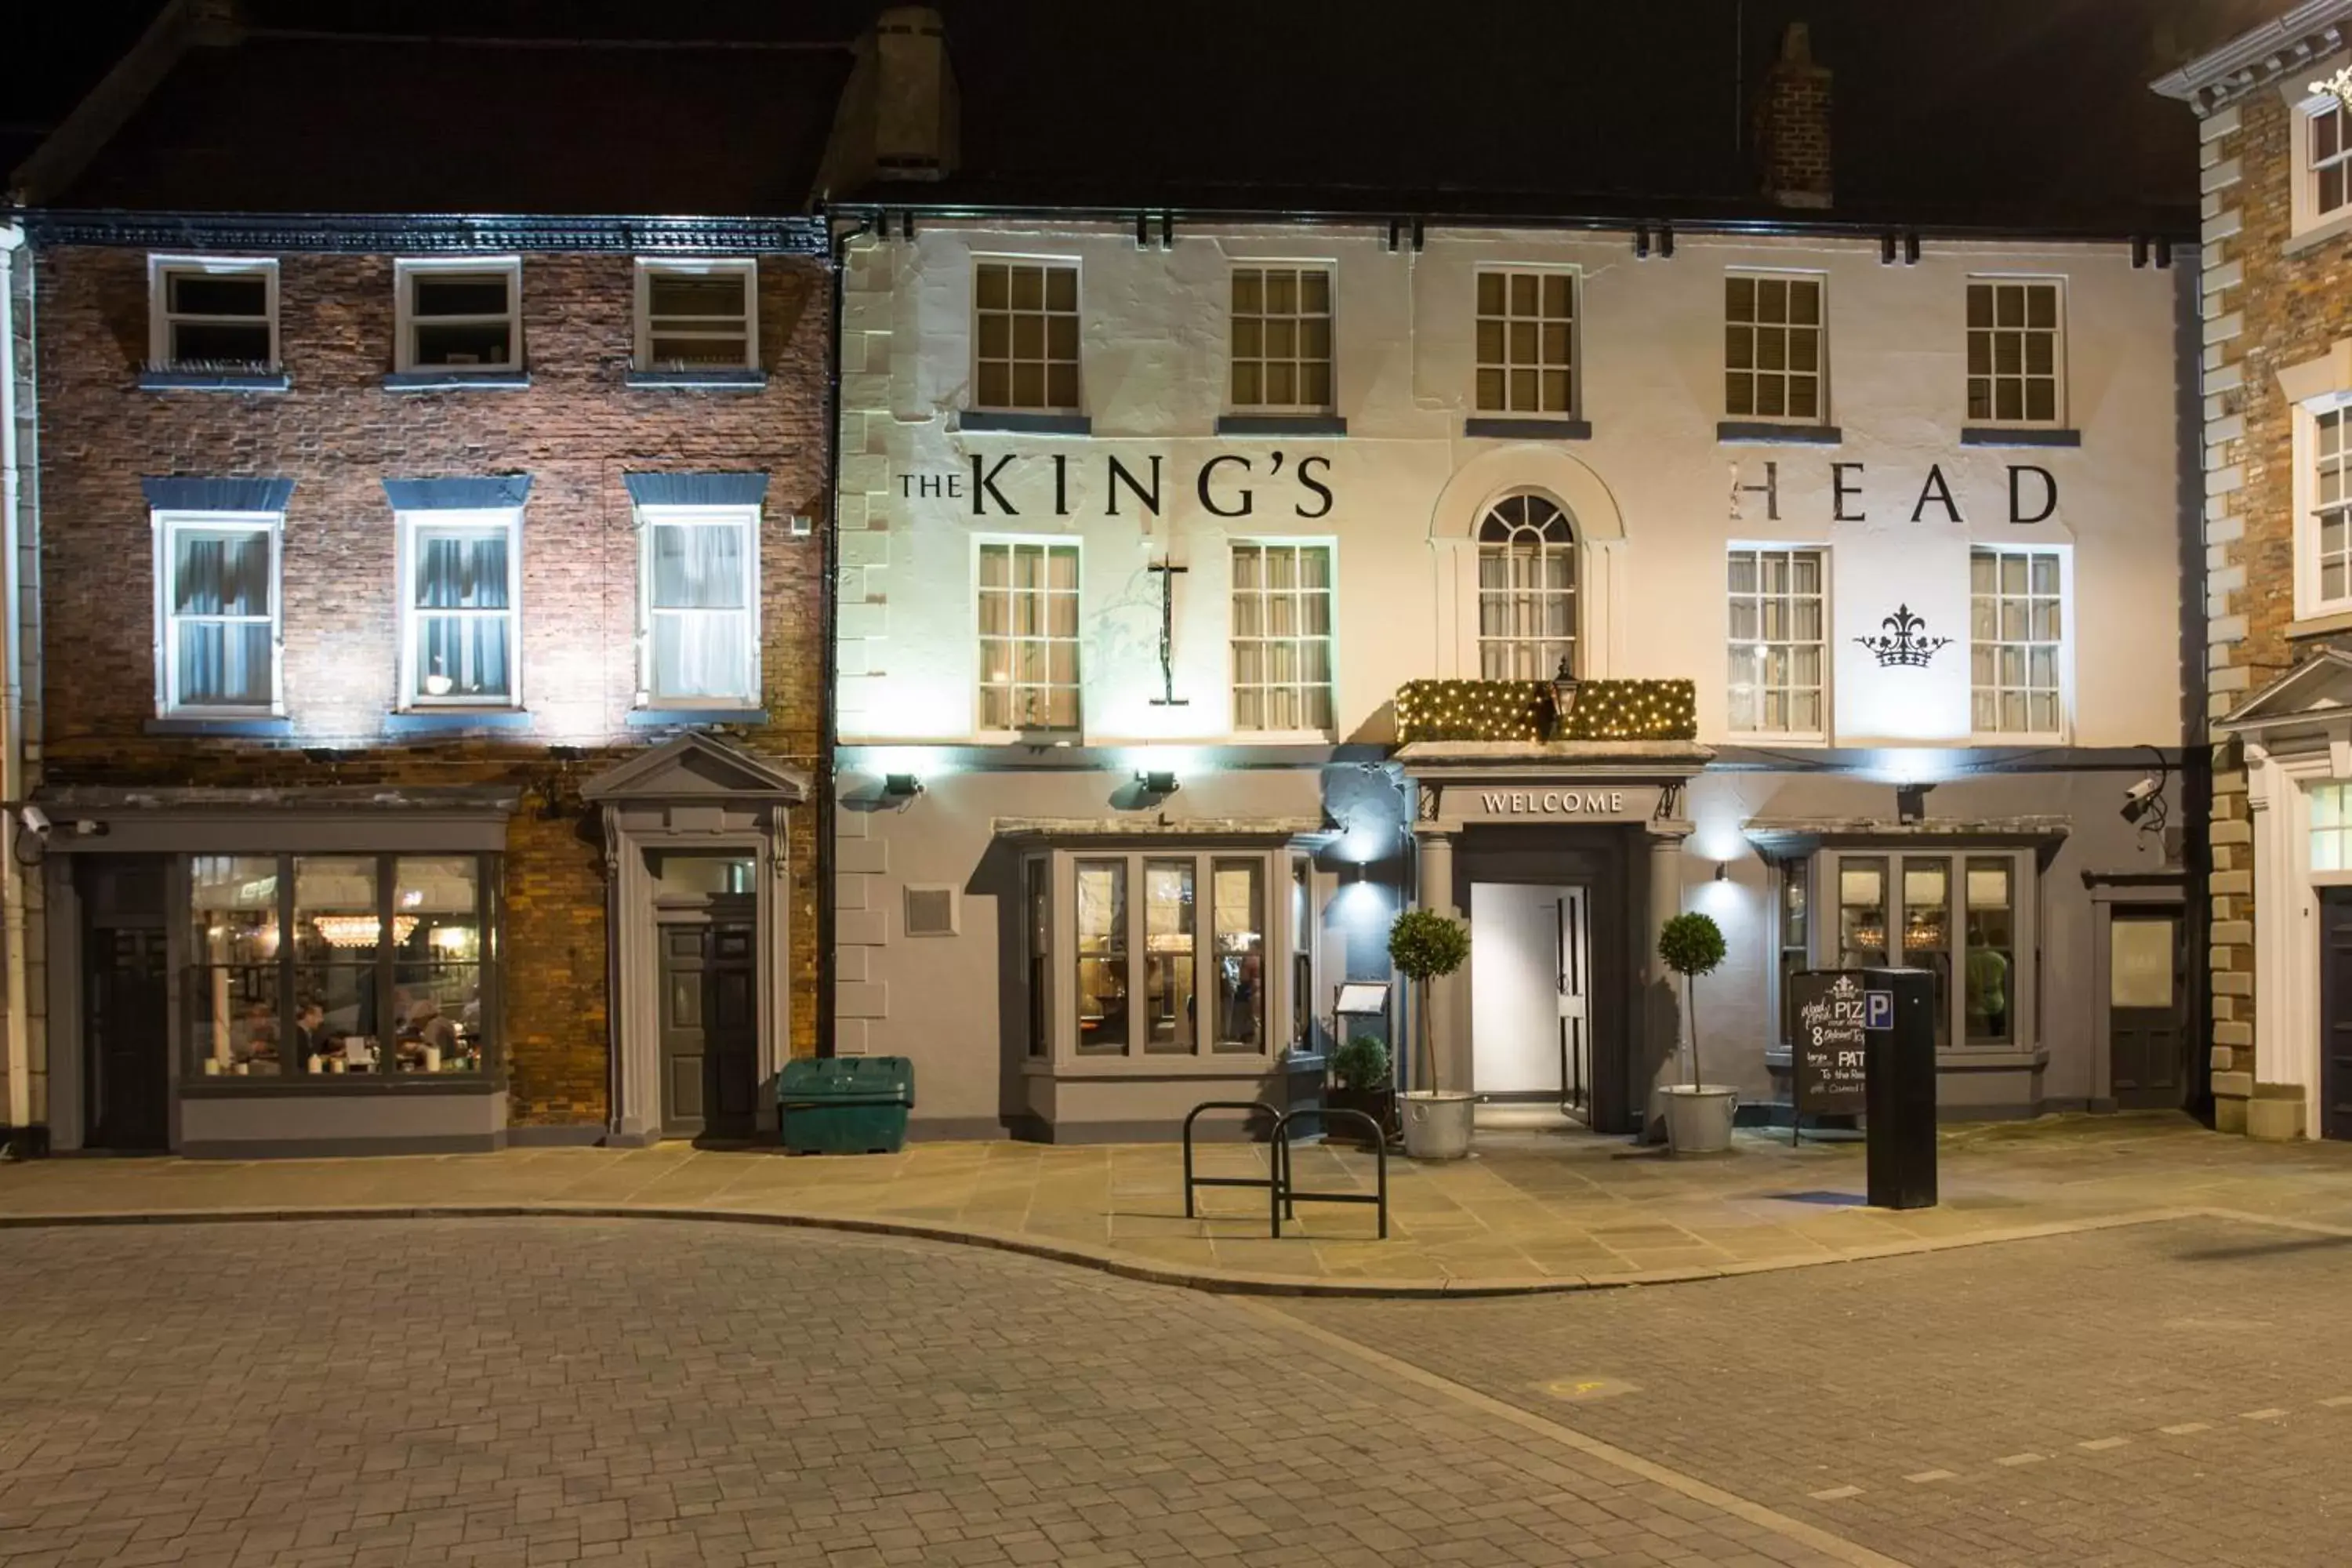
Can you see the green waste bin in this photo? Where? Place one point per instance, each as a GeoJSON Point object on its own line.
{"type": "Point", "coordinates": [844, 1105]}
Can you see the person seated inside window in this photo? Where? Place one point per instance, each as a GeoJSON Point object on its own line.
{"type": "Point", "coordinates": [430, 1042]}
{"type": "Point", "coordinates": [310, 1032]}
{"type": "Point", "coordinates": [256, 1039]}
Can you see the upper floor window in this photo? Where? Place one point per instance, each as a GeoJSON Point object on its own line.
{"type": "Point", "coordinates": [1028, 636]}
{"type": "Point", "coordinates": [1026, 337]}
{"type": "Point", "coordinates": [1527, 342]}
{"type": "Point", "coordinates": [697, 315]}
{"type": "Point", "coordinates": [461, 598]}
{"type": "Point", "coordinates": [2325, 537]}
{"type": "Point", "coordinates": [2329, 190]}
{"type": "Point", "coordinates": [1282, 338]}
{"type": "Point", "coordinates": [459, 315]}
{"type": "Point", "coordinates": [1774, 366]}
{"type": "Point", "coordinates": [2014, 637]}
{"type": "Point", "coordinates": [2016, 351]}
{"type": "Point", "coordinates": [1526, 590]}
{"type": "Point", "coordinates": [213, 312]}
{"type": "Point", "coordinates": [217, 613]}
{"type": "Point", "coordinates": [698, 607]}
{"type": "Point", "coordinates": [1282, 638]}
{"type": "Point", "coordinates": [1776, 633]}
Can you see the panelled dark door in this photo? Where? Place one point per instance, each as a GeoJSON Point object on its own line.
{"type": "Point", "coordinates": [2336, 1012]}
{"type": "Point", "coordinates": [710, 1029]}
{"type": "Point", "coordinates": [2147, 1038]}
{"type": "Point", "coordinates": [126, 1022]}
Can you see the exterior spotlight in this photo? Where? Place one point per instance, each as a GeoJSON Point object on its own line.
{"type": "Point", "coordinates": [1157, 784]}
{"type": "Point", "coordinates": [900, 787]}
{"type": "Point", "coordinates": [1564, 687]}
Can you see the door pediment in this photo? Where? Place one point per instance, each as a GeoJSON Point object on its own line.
{"type": "Point", "coordinates": [695, 767]}
{"type": "Point", "coordinates": [2314, 698]}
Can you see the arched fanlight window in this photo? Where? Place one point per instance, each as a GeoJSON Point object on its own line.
{"type": "Point", "coordinates": [1526, 590]}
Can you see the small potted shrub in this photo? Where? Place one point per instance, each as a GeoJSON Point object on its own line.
{"type": "Point", "coordinates": [1361, 1070]}
{"type": "Point", "coordinates": [1425, 946]}
{"type": "Point", "coordinates": [1698, 1113]}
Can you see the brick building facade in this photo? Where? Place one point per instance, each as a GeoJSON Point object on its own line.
{"type": "Point", "coordinates": [2278, 382]}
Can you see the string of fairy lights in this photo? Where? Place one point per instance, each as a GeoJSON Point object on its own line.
{"type": "Point", "coordinates": [1522, 711]}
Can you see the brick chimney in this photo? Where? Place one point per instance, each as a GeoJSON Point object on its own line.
{"type": "Point", "coordinates": [1793, 125]}
{"type": "Point", "coordinates": [915, 108]}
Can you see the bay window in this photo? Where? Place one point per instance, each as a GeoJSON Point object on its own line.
{"type": "Point", "coordinates": [1962, 915]}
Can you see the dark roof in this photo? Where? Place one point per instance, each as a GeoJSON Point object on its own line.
{"type": "Point", "coordinates": [310, 124]}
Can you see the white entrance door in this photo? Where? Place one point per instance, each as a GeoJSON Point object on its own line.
{"type": "Point", "coordinates": [1529, 1036]}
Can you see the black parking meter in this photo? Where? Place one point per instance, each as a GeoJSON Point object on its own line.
{"type": "Point", "coordinates": [1899, 1047]}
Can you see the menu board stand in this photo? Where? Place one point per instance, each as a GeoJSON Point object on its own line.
{"type": "Point", "coordinates": [1827, 1072]}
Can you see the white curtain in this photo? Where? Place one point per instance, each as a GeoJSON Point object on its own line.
{"type": "Point", "coordinates": [702, 619]}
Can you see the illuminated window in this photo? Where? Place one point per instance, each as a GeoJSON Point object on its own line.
{"type": "Point", "coordinates": [218, 601]}
{"type": "Point", "coordinates": [1778, 630]}
{"type": "Point", "coordinates": [2331, 828]}
{"type": "Point", "coordinates": [461, 595]}
{"type": "Point", "coordinates": [1282, 339]}
{"type": "Point", "coordinates": [1025, 336]}
{"type": "Point", "coordinates": [1774, 366]}
{"type": "Point", "coordinates": [2015, 636]}
{"type": "Point", "coordinates": [1028, 636]}
{"type": "Point", "coordinates": [698, 607]}
{"type": "Point", "coordinates": [1526, 590]}
{"type": "Point", "coordinates": [1181, 970]}
{"type": "Point", "coordinates": [1282, 638]}
{"type": "Point", "coordinates": [697, 315]}
{"type": "Point", "coordinates": [1527, 342]}
{"type": "Point", "coordinates": [2016, 352]}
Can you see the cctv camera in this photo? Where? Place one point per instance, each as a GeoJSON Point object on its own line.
{"type": "Point", "coordinates": [2142, 800]}
{"type": "Point", "coordinates": [36, 821]}
{"type": "Point", "coordinates": [2141, 790]}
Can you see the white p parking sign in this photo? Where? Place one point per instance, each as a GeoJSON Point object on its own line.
{"type": "Point", "coordinates": [1878, 1009]}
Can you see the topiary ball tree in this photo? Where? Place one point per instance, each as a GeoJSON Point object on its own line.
{"type": "Point", "coordinates": [1425, 946]}
{"type": "Point", "coordinates": [1691, 945]}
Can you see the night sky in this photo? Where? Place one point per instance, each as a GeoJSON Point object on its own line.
{"type": "Point", "coordinates": [1990, 109]}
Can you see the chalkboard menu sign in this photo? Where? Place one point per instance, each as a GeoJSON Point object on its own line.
{"type": "Point", "coordinates": [1828, 1080]}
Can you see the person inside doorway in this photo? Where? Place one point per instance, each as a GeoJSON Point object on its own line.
{"type": "Point", "coordinates": [1987, 985]}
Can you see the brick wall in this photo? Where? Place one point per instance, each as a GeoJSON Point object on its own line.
{"type": "Point", "coordinates": [1792, 126]}
{"type": "Point", "coordinates": [338, 434]}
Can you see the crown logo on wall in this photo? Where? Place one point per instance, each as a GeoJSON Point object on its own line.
{"type": "Point", "coordinates": [1905, 641]}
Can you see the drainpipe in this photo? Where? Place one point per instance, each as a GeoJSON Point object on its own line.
{"type": "Point", "coordinates": [828, 701]}
{"type": "Point", "coordinates": [12, 708]}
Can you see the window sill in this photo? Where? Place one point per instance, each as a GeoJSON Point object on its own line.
{"type": "Point", "coordinates": [455, 721]}
{"type": "Point", "coordinates": [1281, 738]}
{"type": "Point", "coordinates": [2324, 624]}
{"type": "Point", "coordinates": [1995, 739]}
{"type": "Point", "coordinates": [659, 718]}
{"type": "Point", "coordinates": [1776, 738]}
{"type": "Point", "coordinates": [1766, 433]}
{"type": "Point", "coordinates": [1114, 1064]}
{"type": "Point", "coordinates": [1281, 425]}
{"type": "Point", "coordinates": [457, 381]}
{"type": "Point", "coordinates": [1499, 428]}
{"type": "Point", "coordinates": [1988, 1058]}
{"type": "Point", "coordinates": [2018, 435]}
{"type": "Point", "coordinates": [248, 728]}
{"type": "Point", "coordinates": [979, 420]}
{"type": "Point", "coordinates": [205, 1086]}
{"type": "Point", "coordinates": [699, 380]}
{"type": "Point", "coordinates": [209, 381]}
{"type": "Point", "coordinates": [2317, 234]}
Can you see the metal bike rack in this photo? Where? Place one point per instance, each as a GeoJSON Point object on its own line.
{"type": "Point", "coordinates": [1282, 1196]}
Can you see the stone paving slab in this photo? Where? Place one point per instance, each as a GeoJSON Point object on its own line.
{"type": "Point", "coordinates": [1534, 1212]}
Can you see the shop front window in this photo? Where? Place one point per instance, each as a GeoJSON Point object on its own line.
{"type": "Point", "coordinates": [1038, 875]}
{"type": "Point", "coordinates": [1992, 952]}
{"type": "Point", "coordinates": [1862, 913]}
{"type": "Point", "coordinates": [1168, 959]}
{"type": "Point", "coordinates": [1240, 896]}
{"type": "Point", "coordinates": [384, 973]}
{"type": "Point", "coordinates": [1102, 955]}
{"type": "Point", "coordinates": [1302, 954]}
{"type": "Point", "coordinates": [1926, 933]}
{"type": "Point", "coordinates": [1962, 918]}
{"type": "Point", "coordinates": [1795, 880]}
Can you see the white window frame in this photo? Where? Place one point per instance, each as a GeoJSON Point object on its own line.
{"type": "Point", "coordinates": [1298, 359]}
{"type": "Point", "coordinates": [651, 517]}
{"type": "Point", "coordinates": [1330, 546]}
{"type": "Point", "coordinates": [2307, 417]}
{"type": "Point", "coordinates": [1513, 643]}
{"type": "Point", "coordinates": [1077, 314]}
{"type": "Point", "coordinates": [1016, 542]}
{"type": "Point", "coordinates": [2305, 213]}
{"type": "Point", "coordinates": [406, 270]}
{"type": "Point", "coordinates": [2057, 334]}
{"type": "Point", "coordinates": [1508, 363]}
{"type": "Point", "coordinates": [2064, 649]}
{"type": "Point", "coordinates": [746, 267]}
{"type": "Point", "coordinates": [1821, 329]}
{"type": "Point", "coordinates": [411, 528]}
{"type": "Point", "coordinates": [161, 317]}
{"type": "Point", "coordinates": [166, 525]}
{"type": "Point", "coordinates": [1824, 922]}
{"type": "Point", "coordinates": [1819, 734]}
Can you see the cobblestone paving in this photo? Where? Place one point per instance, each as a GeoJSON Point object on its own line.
{"type": "Point", "coordinates": [2161, 1394]}
{"type": "Point", "coordinates": [520, 1391]}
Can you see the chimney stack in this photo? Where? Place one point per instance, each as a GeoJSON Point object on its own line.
{"type": "Point", "coordinates": [1793, 125]}
{"type": "Point", "coordinates": [915, 108]}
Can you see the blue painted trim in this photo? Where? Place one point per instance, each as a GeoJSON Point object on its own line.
{"type": "Point", "coordinates": [178, 494]}
{"type": "Point", "coordinates": [2005, 436]}
{"type": "Point", "coordinates": [980, 421]}
{"type": "Point", "coordinates": [206, 381]}
{"type": "Point", "coordinates": [456, 720]}
{"type": "Point", "coordinates": [682, 718]}
{"type": "Point", "coordinates": [457, 381]}
{"type": "Point", "coordinates": [1497, 429]}
{"type": "Point", "coordinates": [697, 489]}
{"type": "Point", "coordinates": [1281, 425]}
{"type": "Point", "coordinates": [227, 729]}
{"type": "Point", "coordinates": [491, 492]}
{"type": "Point", "coordinates": [700, 380]}
{"type": "Point", "coordinates": [1763, 432]}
